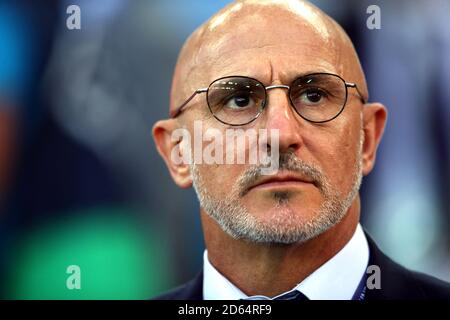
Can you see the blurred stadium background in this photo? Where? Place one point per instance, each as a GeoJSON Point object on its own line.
{"type": "Point", "coordinates": [81, 182]}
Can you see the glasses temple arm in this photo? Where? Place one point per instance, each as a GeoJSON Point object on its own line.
{"type": "Point", "coordinates": [353, 85]}
{"type": "Point", "coordinates": [174, 113]}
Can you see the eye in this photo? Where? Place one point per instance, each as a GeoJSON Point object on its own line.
{"type": "Point", "coordinates": [240, 100]}
{"type": "Point", "coordinates": [313, 96]}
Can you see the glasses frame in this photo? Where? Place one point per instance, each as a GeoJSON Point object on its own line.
{"type": "Point", "coordinates": [176, 112]}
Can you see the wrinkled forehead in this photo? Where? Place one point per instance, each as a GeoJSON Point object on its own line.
{"type": "Point", "coordinates": [267, 41]}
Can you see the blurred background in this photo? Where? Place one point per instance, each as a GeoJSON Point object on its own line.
{"type": "Point", "coordinates": [82, 184]}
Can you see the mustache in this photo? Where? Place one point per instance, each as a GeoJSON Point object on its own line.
{"type": "Point", "coordinates": [288, 161]}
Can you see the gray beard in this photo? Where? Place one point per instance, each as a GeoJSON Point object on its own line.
{"type": "Point", "coordinates": [285, 227]}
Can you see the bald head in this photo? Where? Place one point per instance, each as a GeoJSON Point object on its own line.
{"type": "Point", "coordinates": [237, 38]}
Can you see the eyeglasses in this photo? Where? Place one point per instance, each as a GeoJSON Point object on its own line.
{"type": "Point", "coordinates": [238, 100]}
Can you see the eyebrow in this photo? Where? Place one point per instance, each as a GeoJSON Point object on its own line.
{"type": "Point", "coordinates": [295, 75]}
{"type": "Point", "coordinates": [312, 71]}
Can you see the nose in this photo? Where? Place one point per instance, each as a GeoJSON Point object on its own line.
{"type": "Point", "coordinates": [279, 114]}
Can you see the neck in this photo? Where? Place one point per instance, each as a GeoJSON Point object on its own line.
{"type": "Point", "coordinates": [267, 269]}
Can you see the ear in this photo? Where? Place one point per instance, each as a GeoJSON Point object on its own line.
{"type": "Point", "coordinates": [168, 143]}
{"type": "Point", "coordinates": [374, 121]}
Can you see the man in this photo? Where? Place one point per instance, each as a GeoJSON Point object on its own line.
{"type": "Point", "coordinates": [285, 67]}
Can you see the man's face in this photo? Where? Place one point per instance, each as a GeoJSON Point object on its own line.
{"type": "Point", "coordinates": [276, 49]}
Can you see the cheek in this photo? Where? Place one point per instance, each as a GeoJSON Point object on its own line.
{"type": "Point", "coordinates": [220, 179]}
{"type": "Point", "coordinates": [337, 156]}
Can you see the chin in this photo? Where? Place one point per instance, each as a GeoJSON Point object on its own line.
{"type": "Point", "coordinates": [289, 214]}
{"type": "Point", "coordinates": [288, 203]}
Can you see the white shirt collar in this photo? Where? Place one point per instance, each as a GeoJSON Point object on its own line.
{"type": "Point", "coordinates": [336, 279]}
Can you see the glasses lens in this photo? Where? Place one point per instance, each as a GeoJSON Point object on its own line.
{"type": "Point", "coordinates": [236, 100]}
{"type": "Point", "coordinates": [318, 97]}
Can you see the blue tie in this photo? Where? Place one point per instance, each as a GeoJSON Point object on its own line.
{"type": "Point", "coordinates": [292, 295]}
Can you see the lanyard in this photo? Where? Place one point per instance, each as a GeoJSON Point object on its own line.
{"type": "Point", "coordinates": [360, 292]}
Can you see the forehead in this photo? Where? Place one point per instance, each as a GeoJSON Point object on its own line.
{"type": "Point", "coordinates": [270, 45]}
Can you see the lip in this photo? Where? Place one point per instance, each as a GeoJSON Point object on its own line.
{"type": "Point", "coordinates": [283, 180]}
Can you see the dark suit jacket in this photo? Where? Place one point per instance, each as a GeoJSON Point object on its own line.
{"type": "Point", "coordinates": [397, 282]}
